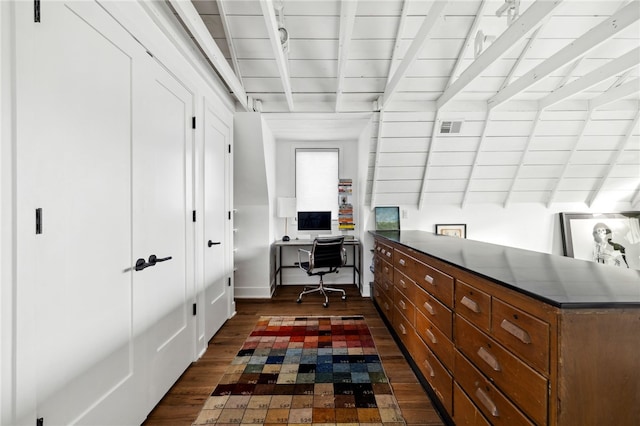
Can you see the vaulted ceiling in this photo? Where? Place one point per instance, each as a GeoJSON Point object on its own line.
{"type": "Point", "coordinates": [543, 96]}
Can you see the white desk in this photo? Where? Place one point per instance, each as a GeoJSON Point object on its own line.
{"type": "Point", "coordinates": [356, 256]}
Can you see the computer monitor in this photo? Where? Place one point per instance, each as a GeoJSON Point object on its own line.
{"type": "Point", "coordinates": [314, 222]}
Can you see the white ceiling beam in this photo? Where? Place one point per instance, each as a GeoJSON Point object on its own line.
{"type": "Point", "coordinates": [616, 93]}
{"type": "Point", "coordinates": [427, 165]}
{"type": "Point", "coordinates": [376, 160]}
{"type": "Point", "coordinates": [269, 14]}
{"type": "Point", "coordinates": [518, 30]}
{"type": "Point", "coordinates": [347, 20]}
{"type": "Point", "coordinates": [229, 38]}
{"type": "Point", "coordinates": [621, 148]}
{"type": "Point", "coordinates": [396, 46]}
{"type": "Point", "coordinates": [414, 50]}
{"type": "Point", "coordinates": [474, 165]}
{"type": "Point", "coordinates": [521, 57]}
{"type": "Point", "coordinates": [576, 142]}
{"type": "Point", "coordinates": [597, 76]}
{"type": "Point", "coordinates": [471, 34]}
{"type": "Point", "coordinates": [434, 130]}
{"type": "Point", "coordinates": [567, 163]}
{"type": "Point", "coordinates": [581, 46]}
{"type": "Point", "coordinates": [202, 36]}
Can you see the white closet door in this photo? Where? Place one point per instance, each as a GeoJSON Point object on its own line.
{"type": "Point", "coordinates": [104, 150]}
{"type": "Point", "coordinates": [162, 226]}
{"type": "Point", "coordinates": [216, 290]}
{"type": "Point", "coordinates": [75, 72]}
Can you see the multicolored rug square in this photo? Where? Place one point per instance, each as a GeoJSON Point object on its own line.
{"type": "Point", "coordinates": [321, 371]}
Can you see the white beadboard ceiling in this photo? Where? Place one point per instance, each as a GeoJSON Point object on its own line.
{"type": "Point", "coordinates": [549, 107]}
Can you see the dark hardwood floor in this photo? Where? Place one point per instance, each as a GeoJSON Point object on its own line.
{"type": "Point", "coordinates": [181, 405]}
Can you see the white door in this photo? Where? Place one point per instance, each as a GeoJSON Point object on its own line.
{"type": "Point", "coordinates": [162, 203]}
{"type": "Point", "coordinates": [74, 72]}
{"type": "Point", "coordinates": [103, 154]}
{"type": "Point", "coordinates": [216, 288]}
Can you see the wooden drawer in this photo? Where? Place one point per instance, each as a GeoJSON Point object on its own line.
{"type": "Point", "coordinates": [402, 326]}
{"type": "Point", "coordinates": [464, 412]}
{"type": "Point", "coordinates": [404, 263]}
{"type": "Point", "coordinates": [435, 282]}
{"type": "Point", "coordinates": [523, 385]}
{"type": "Point", "coordinates": [384, 303]}
{"type": "Point", "coordinates": [524, 334]}
{"type": "Point", "coordinates": [385, 251]}
{"type": "Point", "coordinates": [404, 305]}
{"type": "Point", "coordinates": [386, 270]}
{"type": "Point", "coordinates": [385, 287]}
{"type": "Point", "coordinates": [493, 404]}
{"type": "Point", "coordinates": [438, 377]}
{"type": "Point", "coordinates": [435, 339]}
{"type": "Point", "coordinates": [435, 312]}
{"type": "Point", "coordinates": [473, 304]}
{"type": "Point", "coordinates": [406, 285]}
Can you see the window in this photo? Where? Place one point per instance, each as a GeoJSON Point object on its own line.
{"type": "Point", "coordinates": [317, 180]}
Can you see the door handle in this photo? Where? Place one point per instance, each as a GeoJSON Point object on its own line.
{"type": "Point", "coordinates": [153, 259]}
{"type": "Point", "coordinates": [211, 243]}
{"type": "Point", "coordinates": [141, 264]}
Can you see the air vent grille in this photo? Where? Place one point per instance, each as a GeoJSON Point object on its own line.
{"type": "Point", "coordinates": [450, 127]}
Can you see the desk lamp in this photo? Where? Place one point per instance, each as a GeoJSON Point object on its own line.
{"type": "Point", "coordinates": [286, 208]}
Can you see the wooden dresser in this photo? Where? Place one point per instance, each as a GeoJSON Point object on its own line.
{"type": "Point", "coordinates": [503, 336]}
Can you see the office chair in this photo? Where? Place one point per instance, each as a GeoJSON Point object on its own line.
{"type": "Point", "coordinates": [327, 255]}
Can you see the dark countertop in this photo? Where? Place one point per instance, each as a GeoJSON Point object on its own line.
{"type": "Point", "coordinates": [560, 281]}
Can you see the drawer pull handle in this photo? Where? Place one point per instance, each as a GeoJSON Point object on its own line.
{"type": "Point", "coordinates": [487, 357]}
{"type": "Point", "coordinates": [401, 262]}
{"type": "Point", "coordinates": [386, 286]}
{"type": "Point", "coordinates": [516, 331]}
{"type": "Point", "coordinates": [403, 284]}
{"type": "Point", "coordinates": [402, 305]}
{"type": "Point", "coordinates": [383, 251]}
{"type": "Point", "coordinates": [471, 304]}
{"type": "Point", "coordinates": [388, 254]}
{"type": "Point", "coordinates": [487, 402]}
{"type": "Point", "coordinates": [429, 308]}
{"type": "Point", "coordinates": [431, 336]}
{"type": "Point", "coordinates": [402, 329]}
{"type": "Point", "coordinates": [386, 306]}
{"type": "Point", "coordinates": [386, 270]}
{"type": "Point", "coordinates": [432, 373]}
{"type": "Point", "coordinates": [429, 279]}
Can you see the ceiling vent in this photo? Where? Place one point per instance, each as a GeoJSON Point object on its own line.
{"type": "Point", "coordinates": [450, 127]}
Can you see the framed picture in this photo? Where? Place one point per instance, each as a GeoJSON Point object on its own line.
{"type": "Point", "coordinates": [452, 229]}
{"type": "Point", "coordinates": [388, 218]}
{"type": "Point", "coordinates": [607, 238]}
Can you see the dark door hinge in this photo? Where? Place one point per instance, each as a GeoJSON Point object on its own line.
{"type": "Point", "coordinates": [194, 215]}
{"type": "Point", "coordinates": [229, 148]}
{"type": "Point", "coordinates": [229, 281]}
{"type": "Point", "coordinates": [40, 421]}
{"type": "Point", "coordinates": [36, 10]}
{"type": "Point", "coordinates": [38, 220]}
{"type": "Point", "coordinates": [193, 122]}
{"type": "Point", "coordinates": [229, 214]}
{"type": "Point", "coordinates": [195, 309]}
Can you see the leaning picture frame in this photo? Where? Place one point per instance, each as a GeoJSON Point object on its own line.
{"type": "Point", "coordinates": [607, 238]}
{"type": "Point", "coordinates": [452, 229]}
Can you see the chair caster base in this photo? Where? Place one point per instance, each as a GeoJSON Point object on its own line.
{"type": "Point", "coordinates": [325, 304]}
{"type": "Point", "coordinates": [344, 297]}
{"type": "Point", "coordinates": [299, 300]}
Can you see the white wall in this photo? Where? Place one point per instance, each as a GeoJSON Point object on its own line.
{"type": "Point", "coordinates": [254, 176]}
{"type": "Point", "coordinates": [285, 187]}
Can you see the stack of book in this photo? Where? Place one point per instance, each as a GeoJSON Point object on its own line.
{"type": "Point", "coordinates": [345, 208]}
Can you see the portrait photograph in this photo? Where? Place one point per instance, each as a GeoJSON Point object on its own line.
{"type": "Point", "coordinates": [606, 238]}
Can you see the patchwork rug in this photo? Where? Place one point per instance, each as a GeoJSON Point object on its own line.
{"type": "Point", "coordinates": [305, 371]}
